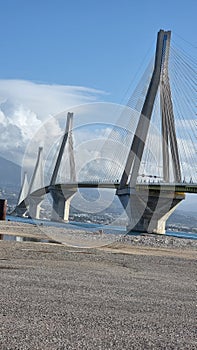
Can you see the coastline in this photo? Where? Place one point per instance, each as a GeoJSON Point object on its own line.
{"type": "Point", "coordinates": [69, 234]}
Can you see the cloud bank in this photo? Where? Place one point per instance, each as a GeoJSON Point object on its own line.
{"type": "Point", "coordinates": [25, 105]}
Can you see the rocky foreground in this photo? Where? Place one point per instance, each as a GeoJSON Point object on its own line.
{"type": "Point", "coordinates": [135, 293]}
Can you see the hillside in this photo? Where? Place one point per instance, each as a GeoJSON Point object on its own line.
{"type": "Point", "coordinates": [10, 173]}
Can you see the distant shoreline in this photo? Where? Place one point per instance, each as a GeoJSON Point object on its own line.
{"type": "Point", "coordinates": [90, 239]}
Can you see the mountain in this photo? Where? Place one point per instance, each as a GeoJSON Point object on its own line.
{"type": "Point", "coordinates": [180, 217]}
{"type": "Point", "coordinates": [10, 173]}
{"type": "Point", "coordinates": [189, 204]}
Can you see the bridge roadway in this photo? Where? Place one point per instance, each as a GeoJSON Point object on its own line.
{"type": "Point", "coordinates": [162, 188]}
{"type": "Point", "coordinates": [167, 187]}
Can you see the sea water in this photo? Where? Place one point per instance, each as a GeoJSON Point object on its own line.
{"type": "Point", "coordinates": [94, 227]}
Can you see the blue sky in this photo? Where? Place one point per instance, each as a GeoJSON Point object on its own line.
{"type": "Point", "coordinates": [96, 44]}
{"type": "Point", "coordinates": [51, 47]}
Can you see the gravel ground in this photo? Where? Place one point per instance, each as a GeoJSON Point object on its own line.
{"type": "Point", "coordinates": [138, 297]}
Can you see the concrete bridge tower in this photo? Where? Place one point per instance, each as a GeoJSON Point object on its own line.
{"type": "Point", "coordinates": [28, 201]}
{"type": "Point", "coordinates": [21, 210]}
{"type": "Point", "coordinates": [148, 210]}
{"type": "Point", "coordinates": [61, 198]}
{"type": "Point", "coordinates": [37, 181]}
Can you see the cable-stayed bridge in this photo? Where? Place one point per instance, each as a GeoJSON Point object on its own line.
{"type": "Point", "coordinates": [149, 157]}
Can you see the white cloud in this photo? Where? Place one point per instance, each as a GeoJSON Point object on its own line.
{"type": "Point", "coordinates": [45, 100]}
{"type": "Point", "coordinates": [25, 105]}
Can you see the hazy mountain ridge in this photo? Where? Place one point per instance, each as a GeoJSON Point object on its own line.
{"type": "Point", "coordinates": [10, 173]}
{"type": "Point", "coordinates": [182, 218]}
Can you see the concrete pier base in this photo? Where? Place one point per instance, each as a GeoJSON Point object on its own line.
{"type": "Point", "coordinates": [20, 211]}
{"type": "Point", "coordinates": [34, 206]}
{"type": "Point", "coordinates": [148, 210]}
{"type": "Point", "coordinates": [61, 204]}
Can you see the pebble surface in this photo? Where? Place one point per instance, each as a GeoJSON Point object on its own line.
{"type": "Point", "coordinates": [58, 297]}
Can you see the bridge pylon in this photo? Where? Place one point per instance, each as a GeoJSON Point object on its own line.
{"type": "Point", "coordinates": [21, 209]}
{"type": "Point", "coordinates": [27, 201]}
{"type": "Point", "coordinates": [36, 182]}
{"type": "Point", "coordinates": [148, 211]}
{"type": "Point", "coordinates": [61, 199]}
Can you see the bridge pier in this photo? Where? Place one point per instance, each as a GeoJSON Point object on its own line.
{"type": "Point", "coordinates": [61, 204]}
{"type": "Point", "coordinates": [20, 210]}
{"type": "Point", "coordinates": [34, 206]}
{"type": "Point", "coordinates": [148, 211]}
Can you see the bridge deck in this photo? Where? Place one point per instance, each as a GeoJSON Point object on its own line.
{"type": "Point", "coordinates": [187, 188]}
{"type": "Point", "coordinates": [183, 187]}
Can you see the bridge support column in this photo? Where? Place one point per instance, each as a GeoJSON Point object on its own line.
{"type": "Point", "coordinates": [148, 210]}
{"type": "Point", "coordinates": [34, 206]}
{"type": "Point", "coordinates": [20, 210]}
{"type": "Point", "coordinates": [61, 204]}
